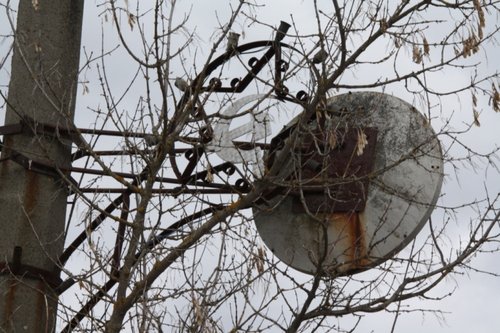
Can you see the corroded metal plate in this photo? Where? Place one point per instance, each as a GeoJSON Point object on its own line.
{"type": "Point", "coordinates": [401, 188]}
{"type": "Point", "coordinates": [336, 179]}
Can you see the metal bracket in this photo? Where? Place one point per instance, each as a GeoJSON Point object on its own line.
{"type": "Point", "coordinates": [71, 134]}
{"type": "Point", "coordinates": [345, 166]}
{"type": "Point", "coordinates": [16, 268]}
{"type": "Point", "coordinates": [335, 180]}
{"type": "Point", "coordinates": [39, 167]}
{"type": "Point", "coordinates": [11, 129]}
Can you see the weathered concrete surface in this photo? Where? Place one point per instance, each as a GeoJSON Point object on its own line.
{"type": "Point", "coordinates": [403, 189]}
{"type": "Point", "coordinates": [33, 204]}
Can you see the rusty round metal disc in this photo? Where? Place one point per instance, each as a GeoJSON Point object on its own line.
{"type": "Point", "coordinates": [374, 190]}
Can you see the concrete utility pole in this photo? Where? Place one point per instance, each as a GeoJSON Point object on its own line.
{"type": "Point", "coordinates": [33, 195]}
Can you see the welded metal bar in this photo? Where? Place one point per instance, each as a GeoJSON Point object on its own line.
{"type": "Point", "coordinates": [92, 226]}
{"type": "Point", "coordinates": [11, 129]}
{"type": "Point", "coordinates": [120, 234]}
{"type": "Point", "coordinates": [223, 189]}
{"type": "Point", "coordinates": [20, 270]}
{"type": "Point", "coordinates": [94, 299]}
{"type": "Point", "coordinates": [134, 176]}
{"type": "Point", "coordinates": [238, 144]}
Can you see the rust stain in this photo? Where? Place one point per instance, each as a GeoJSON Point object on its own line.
{"type": "Point", "coordinates": [342, 168]}
{"type": "Point", "coordinates": [351, 242]}
{"type": "Point", "coordinates": [31, 191]}
{"type": "Point", "coordinates": [9, 303]}
{"type": "Point", "coordinates": [356, 232]}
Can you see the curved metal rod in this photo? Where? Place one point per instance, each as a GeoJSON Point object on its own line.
{"type": "Point", "coordinates": [95, 298]}
{"type": "Point", "coordinates": [209, 69]}
{"type": "Point", "coordinates": [226, 56]}
{"type": "Point", "coordinates": [89, 305]}
{"type": "Point", "coordinates": [241, 85]}
{"type": "Point", "coordinates": [63, 258]}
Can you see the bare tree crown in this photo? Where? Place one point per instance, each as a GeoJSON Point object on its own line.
{"type": "Point", "coordinates": [195, 120]}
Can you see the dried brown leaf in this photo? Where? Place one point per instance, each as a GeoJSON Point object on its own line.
{"type": "Point", "coordinates": [85, 89]}
{"type": "Point", "coordinates": [209, 178]}
{"type": "Point", "coordinates": [480, 13]}
{"type": "Point", "coordinates": [361, 142]}
{"type": "Point", "coordinates": [417, 54]}
{"type": "Point", "coordinates": [131, 21]}
{"type": "Point", "coordinates": [426, 47]}
{"type": "Point", "coordinates": [495, 99]}
{"type": "Point", "coordinates": [259, 260]}
{"type": "Point", "coordinates": [332, 139]}
{"type": "Point", "coordinates": [476, 118]}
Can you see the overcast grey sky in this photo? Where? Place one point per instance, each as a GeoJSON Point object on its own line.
{"type": "Point", "coordinates": [475, 303]}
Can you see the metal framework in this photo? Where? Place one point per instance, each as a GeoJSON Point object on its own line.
{"type": "Point", "coordinates": [186, 179]}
